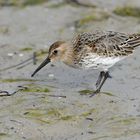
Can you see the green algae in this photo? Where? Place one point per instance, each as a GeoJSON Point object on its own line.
{"type": "Point", "coordinates": [108, 93]}
{"type": "Point", "coordinates": [26, 49]}
{"type": "Point", "coordinates": [85, 92]}
{"type": "Point", "coordinates": [88, 92]}
{"type": "Point", "coordinates": [86, 114]}
{"type": "Point", "coordinates": [77, 3]}
{"type": "Point", "coordinates": [54, 115]}
{"type": "Point", "coordinates": [35, 112]}
{"type": "Point", "coordinates": [66, 118]}
{"type": "Point", "coordinates": [71, 3]}
{"type": "Point", "coordinates": [60, 114]}
{"type": "Point", "coordinates": [39, 115]}
{"type": "Point", "coordinates": [20, 3]}
{"type": "Point", "coordinates": [128, 11]}
{"type": "Point", "coordinates": [78, 116]}
{"type": "Point", "coordinates": [48, 116]}
{"type": "Point", "coordinates": [57, 5]}
{"type": "Point", "coordinates": [86, 19]}
{"type": "Point", "coordinates": [33, 2]}
{"type": "Point", "coordinates": [35, 88]}
{"type": "Point", "coordinates": [91, 18]}
{"type": "Point", "coordinates": [28, 87]}
{"type": "Point", "coordinates": [4, 29]}
{"type": "Point", "coordinates": [54, 112]}
{"type": "Point", "coordinates": [3, 135]}
{"type": "Point", "coordinates": [126, 121]}
{"type": "Point", "coordinates": [16, 80]}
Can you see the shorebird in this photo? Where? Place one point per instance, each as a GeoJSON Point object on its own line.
{"type": "Point", "coordinates": [93, 50]}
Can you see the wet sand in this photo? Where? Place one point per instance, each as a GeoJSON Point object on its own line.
{"type": "Point", "coordinates": [36, 112]}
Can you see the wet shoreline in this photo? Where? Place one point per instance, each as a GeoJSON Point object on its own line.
{"type": "Point", "coordinates": [40, 111]}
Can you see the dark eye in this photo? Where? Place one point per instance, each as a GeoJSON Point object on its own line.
{"type": "Point", "coordinates": [55, 51]}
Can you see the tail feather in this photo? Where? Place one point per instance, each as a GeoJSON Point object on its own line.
{"type": "Point", "coordinates": [134, 40]}
{"type": "Point", "coordinates": [135, 45]}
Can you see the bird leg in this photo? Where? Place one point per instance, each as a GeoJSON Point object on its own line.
{"type": "Point", "coordinates": [101, 80]}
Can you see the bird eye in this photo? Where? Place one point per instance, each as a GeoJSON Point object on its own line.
{"type": "Point", "coordinates": [55, 51]}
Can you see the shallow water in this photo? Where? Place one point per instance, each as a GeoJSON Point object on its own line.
{"type": "Point", "coordinates": [34, 112]}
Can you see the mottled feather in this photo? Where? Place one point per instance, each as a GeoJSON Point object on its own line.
{"type": "Point", "coordinates": [108, 46]}
{"type": "Point", "coordinates": [107, 43]}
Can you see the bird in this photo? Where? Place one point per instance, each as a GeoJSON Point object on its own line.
{"type": "Point", "coordinates": [93, 50]}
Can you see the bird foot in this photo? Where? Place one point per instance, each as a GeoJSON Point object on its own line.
{"type": "Point", "coordinates": [95, 92]}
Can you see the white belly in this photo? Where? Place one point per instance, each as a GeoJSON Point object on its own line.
{"type": "Point", "coordinates": [95, 61]}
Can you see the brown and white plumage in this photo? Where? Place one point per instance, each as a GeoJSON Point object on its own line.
{"type": "Point", "coordinates": [101, 50]}
{"type": "Point", "coordinates": [108, 43]}
{"type": "Point", "coordinates": [95, 50]}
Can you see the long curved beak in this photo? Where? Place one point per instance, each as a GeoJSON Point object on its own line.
{"type": "Point", "coordinates": [44, 63]}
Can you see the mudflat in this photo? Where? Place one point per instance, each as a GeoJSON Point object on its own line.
{"type": "Point", "coordinates": [55, 104]}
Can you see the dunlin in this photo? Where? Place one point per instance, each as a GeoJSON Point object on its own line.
{"type": "Point", "coordinates": [93, 50]}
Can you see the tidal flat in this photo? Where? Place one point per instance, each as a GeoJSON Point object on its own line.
{"type": "Point", "coordinates": [55, 104]}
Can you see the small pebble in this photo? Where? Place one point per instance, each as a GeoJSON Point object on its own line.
{"type": "Point", "coordinates": [12, 128]}
{"type": "Point", "coordinates": [10, 54]}
{"type": "Point", "coordinates": [51, 75]}
{"type": "Point", "coordinates": [89, 119]}
{"type": "Point", "coordinates": [21, 54]}
{"type": "Point", "coordinates": [90, 132]}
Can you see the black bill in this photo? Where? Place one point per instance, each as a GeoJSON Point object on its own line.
{"type": "Point", "coordinates": [45, 62]}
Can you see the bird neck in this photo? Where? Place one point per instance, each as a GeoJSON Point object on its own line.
{"type": "Point", "coordinates": [68, 56]}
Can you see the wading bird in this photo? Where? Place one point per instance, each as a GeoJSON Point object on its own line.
{"type": "Point", "coordinates": [93, 50]}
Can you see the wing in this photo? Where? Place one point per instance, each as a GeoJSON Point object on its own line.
{"type": "Point", "coordinates": [107, 43]}
{"type": "Point", "coordinates": [116, 44]}
{"type": "Point", "coordinates": [85, 38]}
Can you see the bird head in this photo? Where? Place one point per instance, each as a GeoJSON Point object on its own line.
{"type": "Point", "coordinates": [57, 52]}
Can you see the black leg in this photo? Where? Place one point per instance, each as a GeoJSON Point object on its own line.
{"type": "Point", "coordinates": [101, 75]}
{"type": "Point", "coordinates": [105, 76]}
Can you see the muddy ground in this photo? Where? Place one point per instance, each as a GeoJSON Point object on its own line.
{"type": "Point", "coordinates": [55, 104]}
